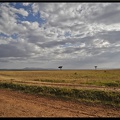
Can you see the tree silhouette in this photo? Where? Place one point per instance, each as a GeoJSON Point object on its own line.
{"type": "Point", "coordinates": [60, 67]}
{"type": "Point", "coordinates": [95, 67]}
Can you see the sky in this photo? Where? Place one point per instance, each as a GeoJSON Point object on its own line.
{"type": "Point", "coordinates": [51, 34]}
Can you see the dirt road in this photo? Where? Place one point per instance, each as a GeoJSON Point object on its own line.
{"type": "Point", "coordinates": [18, 104]}
{"type": "Point", "coordinates": [69, 85]}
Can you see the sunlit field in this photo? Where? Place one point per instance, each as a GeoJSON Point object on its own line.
{"type": "Point", "coordinates": [88, 85]}
{"type": "Point", "coordinates": [88, 77]}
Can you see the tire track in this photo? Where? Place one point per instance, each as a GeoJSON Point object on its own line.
{"type": "Point", "coordinates": [77, 86]}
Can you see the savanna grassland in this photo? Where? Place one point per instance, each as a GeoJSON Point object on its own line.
{"type": "Point", "coordinates": [86, 77]}
{"type": "Point", "coordinates": [91, 87]}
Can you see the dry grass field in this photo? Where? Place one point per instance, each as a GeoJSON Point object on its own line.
{"type": "Point", "coordinates": [80, 77]}
{"type": "Point", "coordinates": [90, 86]}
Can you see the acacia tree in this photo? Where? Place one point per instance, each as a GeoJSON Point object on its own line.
{"type": "Point", "coordinates": [95, 67]}
{"type": "Point", "coordinates": [60, 67]}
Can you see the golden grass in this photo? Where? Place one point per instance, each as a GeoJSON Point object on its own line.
{"type": "Point", "coordinates": [97, 77]}
{"type": "Point", "coordinates": [106, 78]}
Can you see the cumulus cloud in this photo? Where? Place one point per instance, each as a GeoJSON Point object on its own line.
{"type": "Point", "coordinates": [77, 35]}
{"type": "Point", "coordinates": [8, 22]}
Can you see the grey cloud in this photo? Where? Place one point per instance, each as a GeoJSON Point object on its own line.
{"type": "Point", "coordinates": [11, 59]}
{"type": "Point", "coordinates": [7, 50]}
{"type": "Point", "coordinates": [105, 60]}
{"type": "Point", "coordinates": [88, 50]}
{"type": "Point", "coordinates": [4, 60]}
{"type": "Point", "coordinates": [34, 44]}
{"type": "Point", "coordinates": [35, 38]}
{"type": "Point", "coordinates": [83, 62]}
{"type": "Point", "coordinates": [108, 18]}
{"type": "Point", "coordinates": [51, 44]}
{"type": "Point", "coordinates": [111, 36]}
{"type": "Point", "coordinates": [73, 41]}
{"type": "Point", "coordinates": [108, 14]}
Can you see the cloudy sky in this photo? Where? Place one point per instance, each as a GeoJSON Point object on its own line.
{"type": "Point", "coordinates": [47, 35]}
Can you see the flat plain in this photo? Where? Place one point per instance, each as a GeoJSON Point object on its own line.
{"type": "Point", "coordinates": [16, 103]}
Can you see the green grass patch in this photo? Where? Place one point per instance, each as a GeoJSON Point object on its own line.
{"type": "Point", "coordinates": [112, 84]}
{"type": "Point", "coordinates": [109, 83]}
{"type": "Point", "coordinates": [109, 97]}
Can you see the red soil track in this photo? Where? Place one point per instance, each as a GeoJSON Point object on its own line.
{"type": "Point", "coordinates": [18, 104]}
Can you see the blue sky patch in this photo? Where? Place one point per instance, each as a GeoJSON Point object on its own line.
{"type": "Point", "coordinates": [3, 35]}
{"type": "Point", "coordinates": [14, 36]}
{"type": "Point", "coordinates": [30, 17]}
{"type": "Point", "coordinates": [67, 34]}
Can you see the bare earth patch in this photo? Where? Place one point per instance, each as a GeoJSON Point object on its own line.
{"type": "Point", "coordinates": [18, 104]}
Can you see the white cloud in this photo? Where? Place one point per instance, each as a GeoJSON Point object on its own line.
{"type": "Point", "coordinates": [74, 34]}
{"type": "Point", "coordinates": [19, 11]}
{"type": "Point", "coordinates": [101, 43]}
{"type": "Point", "coordinates": [4, 40]}
{"type": "Point", "coordinates": [26, 4]}
{"type": "Point", "coordinates": [8, 21]}
{"type": "Point", "coordinates": [30, 25]}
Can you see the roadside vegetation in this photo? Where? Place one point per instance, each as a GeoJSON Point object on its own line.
{"type": "Point", "coordinates": [104, 97]}
{"type": "Point", "coordinates": [106, 78]}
